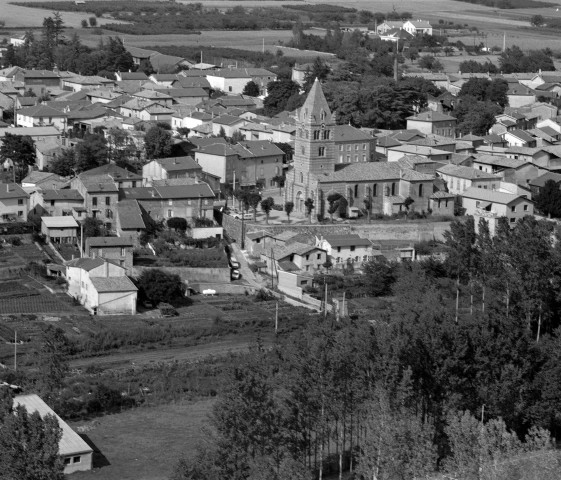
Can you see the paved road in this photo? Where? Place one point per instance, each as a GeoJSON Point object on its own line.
{"type": "Point", "coordinates": [244, 269]}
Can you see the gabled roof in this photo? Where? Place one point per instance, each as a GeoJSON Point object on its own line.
{"type": "Point", "coordinates": [130, 215]}
{"type": "Point", "coordinates": [198, 190]}
{"type": "Point", "coordinates": [227, 120]}
{"type": "Point", "coordinates": [85, 263]}
{"type": "Point", "coordinates": [132, 75]}
{"type": "Point", "coordinates": [113, 170]}
{"type": "Point", "coordinates": [431, 116]}
{"type": "Point", "coordinates": [109, 242]}
{"type": "Point", "coordinates": [500, 161]}
{"type": "Point", "coordinates": [465, 172]}
{"type": "Point", "coordinates": [41, 111]}
{"type": "Point", "coordinates": [348, 133]}
{"type": "Point", "coordinates": [61, 194]}
{"type": "Point", "coordinates": [373, 171]}
{"type": "Point", "coordinates": [521, 134]}
{"type": "Point", "coordinates": [172, 164]}
{"type": "Point", "coordinates": [348, 240]}
{"type": "Point", "coordinates": [12, 190]}
{"type": "Point", "coordinates": [543, 179]}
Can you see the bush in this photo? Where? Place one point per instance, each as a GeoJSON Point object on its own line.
{"type": "Point", "coordinates": [166, 310]}
{"type": "Point", "coordinates": [202, 222]}
{"type": "Point", "coordinates": [264, 296]}
{"type": "Point", "coordinates": [16, 241]}
{"type": "Point", "coordinates": [159, 286]}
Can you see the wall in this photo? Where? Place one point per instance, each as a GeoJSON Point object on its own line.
{"type": "Point", "coordinates": [386, 230]}
{"type": "Point", "coordinates": [216, 232]}
{"type": "Point", "coordinates": [194, 275]}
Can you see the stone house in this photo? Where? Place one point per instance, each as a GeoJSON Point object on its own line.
{"type": "Point", "coordinates": [118, 250]}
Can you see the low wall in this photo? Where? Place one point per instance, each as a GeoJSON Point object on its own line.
{"type": "Point", "coordinates": [206, 232]}
{"type": "Point", "coordinates": [193, 275]}
{"type": "Point", "coordinates": [224, 288]}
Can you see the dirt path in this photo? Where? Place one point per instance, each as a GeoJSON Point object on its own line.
{"type": "Point", "coordinates": [129, 359]}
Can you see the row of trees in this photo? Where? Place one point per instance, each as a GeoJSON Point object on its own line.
{"type": "Point", "coordinates": [458, 374]}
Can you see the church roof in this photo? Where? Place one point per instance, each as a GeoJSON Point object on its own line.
{"type": "Point", "coordinates": [314, 105]}
{"type": "Point", "coordinates": [374, 171]}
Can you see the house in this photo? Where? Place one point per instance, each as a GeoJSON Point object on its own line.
{"type": "Point", "coordinates": [234, 80]}
{"type": "Point", "coordinates": [519, 95]}
{"type": "Point", "coordinates": [170, 168]}
{"type": "Point", "coordinates": [140, 76]}
{"type": "Point", "coordinates": [417, 27]}
{"type": "Point", "coordinates": [55, 202]}
{"type": "Point", "coordinates": [63, 229]}
{"type": "Point", "coordinates": [353, 145]}
{"type": "Point", "coordinates": [345, 249]}
{"type": "Point", "coordinates": [519, 138]}
{"type": "Point", "coordinates": [229, 124]}
{"type": "Point", "coordinates": [187, 117]}
{"type": "Point", "coordinates": [76, 454]}
{"type": "Point", "coordinates": [163, 202]}
{"type": "Point", "coordinates": [492, 205]}
{"type": "Point", "coordinates": [14, 203]}
{"type": "Point", "coordinates": [435, 154]}
{"type": "Point", "coordinates": [459, 178]}
{"type": "Point", "coordinates": [296, 256]}
{"type": "Point", "coordinates": [433, 122]}
{"type": "Point", "coordinates": [442, 203]}
{"type": "Point", "coordinates": [39, 81]}
{"type": "Point", "coordinates": [100, 197]}
{"type": "Point", "coordinates": [46, 151]}
{"type": "Point", "coordinates": [77, 83]}
{"type": "Point", "coordinates": [299, 72]}
{"type": "Point", "coordinates": [250, 162]}
{"type": "Point", "coordinates": [387, 25]}
{"type": "Point", "coordinates": [510, 169]}
{"type": "Point", "coordinates": [115, 249]}
{"type": "Point", "coordinates": [538, 183]}
{"type": "Point", "coordinates": [101, 286]}
{"type": "Point", "coordinates": [42, 181]}
{"type": "Point", "coordinates": [187, 96]}
{"type": "Point", "coordinates": [42, 116]}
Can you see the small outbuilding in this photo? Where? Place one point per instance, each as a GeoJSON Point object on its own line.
{"type": "Point", "coordinates": [62, 229]}
{"type": "Point", "coordinates": [75, 452]}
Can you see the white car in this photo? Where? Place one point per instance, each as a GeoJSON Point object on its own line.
{"type": "Point", "coordinates": [239, 215]}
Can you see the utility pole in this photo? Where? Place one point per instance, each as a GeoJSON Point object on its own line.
{"type": "Point", "coordinates": [504, 41]}
{"type": "Point", "coordinates": [277, 319]}
{"type": "Point", "coordinates": [272, 273]}
{"type": "Point", "coordinates": [325, 303]}
{"type": "Point", "coordinates": [263, 44]}
{"type": "Point", "coordinates": [15, 350]}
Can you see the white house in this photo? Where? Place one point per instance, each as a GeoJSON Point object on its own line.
{"type": "Point", "coordinates": [459, 178]}
{"type": "Point", "coordinates": [418, 27]}
{"type": "Point", "coordinates": [62, 229]}
{"type": "Point", "coordinates": [492, 205]}
{"type": "Point", "coordinates": [75, 452]}
{"type": "Point", "coordinates": [101, 286]}
{"type": "Point", "coordinates": [14, 203]}
{"type": "Point", "coordinates": [345, 249]}
{"type": "Point", "coordinates": [41, 116]}
{"type": "Point", "coordinates": [234, 80]}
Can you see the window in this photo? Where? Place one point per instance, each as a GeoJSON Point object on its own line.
{"type": "Point", "coordinates": [123, 251]}
{"type": "Point", "coordinates": [321, 151]}
{"type": "Point", "coordinates": [375, 190]}
{"type": "Point", "coordinates": [20, 213]}
{"type": "Point", "coordinates": [338, 249]}
{"type": "Point", "coordinates": [170, 213]}
{"type": "Point", "coordinates": [326, 134]}
{"type": "Point", "coordinates": [319, 256]}
{"type": "Point", "coordinates": [356, 191]}
{"type": "Point", "coordinates": [52, 203]}
{"type": "Point", "coordinates": [20, 201]}
{"type": "Point", "coordinates": [364, 146]}
{"type": "Point", "coordinates": [341, 148]}
{"type": "Point", "coordinates": [513, 208]}
{"type": "Point", "coordinates": [421, 190]}
{"type": "Point", "coordinates": [107, 200]}
{"type": "Point", "coordinates": [307, 135]}
{"type": "Point", "coordinates": [133, 184]}
{"type": "Point", "coordinates": [525, 208]}
{"type": "Point", "coordinates": [67, 461]}
{"type": "Point", "coordinates": [364, 158]}
{"type": "Point", "coordinates": [341, 159]}
{"type": "Point", "coordinates": [348, 148]}
{"type": "Point", "coordinates": [100, 252]}
{"type": "Point", "coordinates": [121, 263]}
{"type": "Point", "coordinates": [77, 459]}
{"type": "Point", "coordinates": [356, 158]}
{"type": "Point", "coordinates": [317, 134]}
{"type": "Point", "coordinates": [229, 89]}
{"type": "Point", "coordinates": [308, 257]}
{"type": "Point", "coordinates": [303, 150]}
{"type": "Point", "coordinates": [108, 225]}
{"type": "Point", "coordinates": [512, 220]}
{"type": "Point", "coordinates": [393, 188]}
{"type": "Point", "coordinates": [109, 213]}
{"type": "Point", "coordinates": [94, 201]}
{"type": "Point", "coordinates": [170, 202]}
{"type": "Point", "coordinates": [348, 159]}
{"type": "Point", "coordinates": [356, 147]}
{"type": "Point", "coordinates": [352, 248]}
{"type": "Point", "coordinates": [301, 177]}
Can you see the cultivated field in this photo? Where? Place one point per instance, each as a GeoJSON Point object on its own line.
{"type": "Point", "coordinates": [144, 443]}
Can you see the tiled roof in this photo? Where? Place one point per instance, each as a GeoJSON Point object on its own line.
{"type": "Point", "coordinates": [41, 111]}
{"type": "Point", "coordinates": [66, 221]}
{"type": "Point", "coordinates": [113, 284]}
{"type": "Point", "coordinates": [431, 116]}
{"type": "Point", "coordinates": [198, 190]}
{"type": "Point", "coordinates": [61, 194]}
{"type": "Point", "coordinates": [373, 171]}
{"type": "Point", "coordinates": [109, 242]}
{"type": "Point", "coordinates": [348, 133]}
{"type": "Point", "coordinates": [500, 161]}
{"type": "Point", "coordinates": [11, 190]}
{"type": "Point", "coordinates": [489, 195]}
{"type": "Point", "coordinates": [178, 163]}
{"type": "Point", "coordinates": [130, 215]}
{"type": "Point", "coordinates": [351, 239]}
{"type": "Point", "coordinates": [542, 179]}
{"type": "Point", "coordinates": [86, 263]}
{"type": "Point", "coordinates": [464, 172]}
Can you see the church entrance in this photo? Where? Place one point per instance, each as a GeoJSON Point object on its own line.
{"type": "Point", "coordinates": [299, 202]}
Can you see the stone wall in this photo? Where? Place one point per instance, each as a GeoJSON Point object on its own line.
{"type": "Point", "coordinates": [193, 275]}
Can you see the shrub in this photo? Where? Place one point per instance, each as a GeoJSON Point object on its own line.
{"type": "Point", "coordinates": [16, 241]}
{"type": "Point", "coordinates": [264, 296]}
{"type": "Point", "coordinates": [166, 310]}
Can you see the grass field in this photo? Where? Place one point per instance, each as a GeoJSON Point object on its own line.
{"type": "Point", "coordinates": [145, 443]}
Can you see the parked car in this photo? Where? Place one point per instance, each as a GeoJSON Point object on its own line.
{"type": "Point", "coordinates": [240, 215]}
{"type": "Point", "coordinates": [235, 274]}
{"type": "Point", "coordinates": [234, 263]}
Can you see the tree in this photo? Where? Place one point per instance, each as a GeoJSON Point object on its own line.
{"type": "Point", "coordinates": [29, 444]}
{"type": "Point", "coordinates": [53, 363]}
{"type": "Point", "coordinates": [267, 205]}
{"type": "Point", "coordinates": [278, 93]}
{"type": "Point", "coordinates": [93, 227]}
{"type": "Point", "coordinates": [91, 152]}
{"type": "Point", "coordinates": [381, 274]}
{"type": "Point", "coordinates": [431, 63]}
{"type": "Point", "coordinates": [319, 70]}
{"type": "Point", "coordinates": [537, 21]}
{"type": "Point", "coordinates": [288, 208]}
{"type": "Point", "coordinates": [251, 89]}
{"type": "Point", "coordinates": [158, 143]}
{"type": "Point", "coordinates": [309, 204]}
{"type": "Point", "coordinates": [20, 149]}
{"type": "Point", "coordinates": [9, 58]}
{"type": "Point", "coordinates": [159, 286]}
{"type": "Point", "coordinates": [548, 200]}
{"type": "Point", "coordinates": [253, 200]}
{"type": "Point", "coordinates": [84, 23]}
{"type": "Point", "coordinates": [177, 223]}
{"type": "Point", "coordinates": [64, 164]}
{"type": "Point", "coordinates": [92, 21]}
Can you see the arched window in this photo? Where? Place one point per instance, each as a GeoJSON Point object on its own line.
{"type": "Point", "coordinates": [393, 188]}
{"type": "Point", "coordinates": [322, 115]}
{"type": "Point", "coordinates": [375, 190]}
{"type": "Point", "coordinates": [317, 134]}
{"type": "Point", "coordinates": [301, 177]}
{"type": "Point", "coordinates": [421, 190]}
{"type": "Point", "coordinates": [326, 134]}
{"type": "Point", "coordinates": [356, 191]}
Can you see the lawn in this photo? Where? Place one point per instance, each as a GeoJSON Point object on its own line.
{"type": "Point", "coordinates": [145, 443]}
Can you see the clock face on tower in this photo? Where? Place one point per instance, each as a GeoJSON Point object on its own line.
{"type": "Point", "coordinates": [322, 126]}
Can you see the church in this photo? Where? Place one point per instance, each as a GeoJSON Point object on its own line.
{"type": "Point", "coordinates": [316, 175]}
